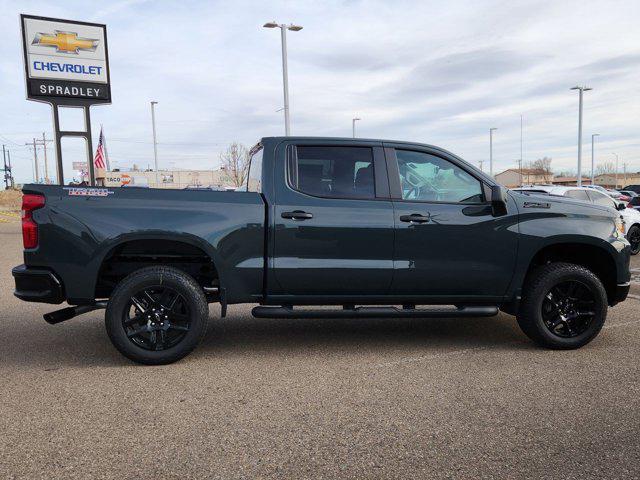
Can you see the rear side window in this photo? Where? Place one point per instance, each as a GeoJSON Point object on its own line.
{"type": "Point", "coordinates": [254, 178]}
{"type": "Point", "coordinates": [577, 194]}
{"type": "Point", "coordinates": [333, 172]}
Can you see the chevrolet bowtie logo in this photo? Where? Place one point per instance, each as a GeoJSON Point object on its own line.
{"type": "Point", "coordinates": [67, 42]}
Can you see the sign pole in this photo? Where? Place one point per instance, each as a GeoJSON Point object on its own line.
{"type": "Point", "coordinates": [56, 136]}
{"type": "Point", "coordinates": [87, 122]}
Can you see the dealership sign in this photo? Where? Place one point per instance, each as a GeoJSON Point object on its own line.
{"type": "Point", "coordinates": [65, 59]}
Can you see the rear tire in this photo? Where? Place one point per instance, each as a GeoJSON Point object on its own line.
{"type": "Point", "coordinates": [157, 315]}
{"type": "Point", "coordinates": [564, 306]}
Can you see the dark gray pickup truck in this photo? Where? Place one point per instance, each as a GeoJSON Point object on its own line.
{"type": "Point", "coordinates": [375, 228]}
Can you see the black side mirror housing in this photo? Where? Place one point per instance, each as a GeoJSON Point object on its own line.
{"type": "Point", "coordinates": [498, 200]}
{"type": "Point", "coordinates": [621, 206]}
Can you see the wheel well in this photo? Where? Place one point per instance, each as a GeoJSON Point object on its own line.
{"type": "Point", "coordinates": [594, 258]}
{"type": "Point", "coordinates": [136, 254]}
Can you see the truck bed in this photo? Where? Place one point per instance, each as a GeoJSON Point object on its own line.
{"type": "Point", "coordinates": [82, 227]}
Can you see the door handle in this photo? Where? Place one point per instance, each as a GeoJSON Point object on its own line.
{"type": "Point", "coordinates": [415, 218]}
{"type": "Point", "coordinates": [297, 215]}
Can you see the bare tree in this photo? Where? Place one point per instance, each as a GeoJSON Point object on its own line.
{"type": "Point", "coordinates": [543, 165]}
{"type": "Point", "coordinates": [235, 162]}
{"type": "Point", "coordinates": [605, 168]}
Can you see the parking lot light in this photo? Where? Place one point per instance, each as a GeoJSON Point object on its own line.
{"type": "Point", "coordinates": [581, 90]}
{"type": "Point", "coordinates": [593, 157]}
{"type": "Point", "coordinates": [285, 73]}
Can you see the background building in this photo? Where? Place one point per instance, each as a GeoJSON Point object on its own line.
{"type": "Point", "coordinates": [570, 181]}
{"type": "Point", "coordinates": [608, 180]}
{"type": "Point", "coordinates": [177, 179]}
{"type": "Point", "coordinates": [515, 177]}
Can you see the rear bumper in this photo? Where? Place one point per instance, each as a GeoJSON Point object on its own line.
{"type": "Point", "coordinates": [621, 292]}
{"type": "Point", "coordinates": [37, 285]}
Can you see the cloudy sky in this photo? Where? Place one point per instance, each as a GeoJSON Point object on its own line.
{"type": "Point", "coordinates": [427, 71]}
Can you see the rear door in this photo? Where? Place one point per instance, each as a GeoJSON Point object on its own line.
{"type": "Point", "coordinates": [447, 241]}
{"type": "Point", "coordinates": [333, 218]}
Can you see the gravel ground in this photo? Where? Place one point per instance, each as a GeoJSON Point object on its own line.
{"type": "Point", "coordinates": [465, 398]}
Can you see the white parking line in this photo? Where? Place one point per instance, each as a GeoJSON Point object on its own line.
{"type": "Point", "coordinates": [428, 357]}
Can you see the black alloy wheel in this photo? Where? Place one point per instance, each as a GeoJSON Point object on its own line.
{"type": "Point", "coordinates": [568, 308]}
{"type": "Point", "coordinates": [156, 318]}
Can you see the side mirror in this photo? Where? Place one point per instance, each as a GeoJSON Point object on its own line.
{"type": "Point", "coordinates": [621, 206]}
{"type": "Point", "coordinates": [498, 200]}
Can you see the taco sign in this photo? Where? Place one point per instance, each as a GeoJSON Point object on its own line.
{"type": "Point", "coordinates": [122, 179]}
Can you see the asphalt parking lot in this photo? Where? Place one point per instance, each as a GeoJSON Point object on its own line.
{"type": "Point", "coordinates": [469, 398]}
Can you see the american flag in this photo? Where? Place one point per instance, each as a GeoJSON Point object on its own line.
{"type": "Point", "coordinates": [98, 161]}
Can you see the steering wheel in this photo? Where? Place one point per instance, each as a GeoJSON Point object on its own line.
{"type": "Point", "coordinates": [416, 182]}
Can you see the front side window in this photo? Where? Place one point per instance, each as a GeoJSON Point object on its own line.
{"type": "Point", "coordinates": [428, 178]}
{"type": "Point", "coordinates": [334, 172]}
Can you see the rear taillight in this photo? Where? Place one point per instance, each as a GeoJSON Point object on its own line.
{"type": "Point", "coordinates": [30, 202]}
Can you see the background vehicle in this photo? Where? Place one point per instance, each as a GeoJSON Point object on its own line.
{"type": "Point", "coordinates": [629, 193]}
{"type": "Point", "coordinates": [630, 216]}
{"type": "Point", "coordinates": [596, 187]}
{"type": "Point", "coordinates": [634, 203]}
{"type": "Point", "coordinates": [635, 188]}
{"type": "Point", "coordinates": [609, 191]}
{"type": "Point", "coordinates": [363, 225]}
{"type": "Point", "coordinates": [205, 187]}
{"type": "Point", "coordinates": [615, 194]}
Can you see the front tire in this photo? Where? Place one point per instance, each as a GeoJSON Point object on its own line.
{"type": "Point", "coordinates": [633, 235]}
{"type": "Point", "coordinates": [564, 306]}
{"type": "Point", "coordinates": [156, 315]}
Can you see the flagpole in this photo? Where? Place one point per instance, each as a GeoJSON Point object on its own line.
{"type": "Point", "coordinates": [104, 146]}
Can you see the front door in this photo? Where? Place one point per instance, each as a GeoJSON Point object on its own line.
{"type": "Point", "coordinates": [447, 241]}
{"type": "Point", "coordinates": [333, 220]}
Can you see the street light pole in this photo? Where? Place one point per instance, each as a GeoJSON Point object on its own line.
{"type": "Point", "coordinates": [155, 141]}
{"type": "Point", "coordinates": [491, 130]}
{"type": "Point", "coordinates": [593, 157]}
{"type": "Point", "coordinates": [285, 69]}
{"type": "Point", "coordinates": [520, 163]}
{"type": "Point", "coordinates": [353, 126]}
{"type": "Point", "coordinates": [616, 175]}
{"type": "Point", "coordinates": [581, 91]}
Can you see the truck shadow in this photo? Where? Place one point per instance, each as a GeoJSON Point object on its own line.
{"type": "Point", "coordinates": [83, 343]}
{"type": "Point", "coordinates": [237, 333]}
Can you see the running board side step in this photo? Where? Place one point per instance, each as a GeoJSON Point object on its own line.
{"type": "Point", "coordinates": [375, 312]}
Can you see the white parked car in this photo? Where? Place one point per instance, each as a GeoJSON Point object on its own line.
{"type": "Point", "coordinates": [609, 191]}
{"type": "Point", "coordinates": [630, 215]}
